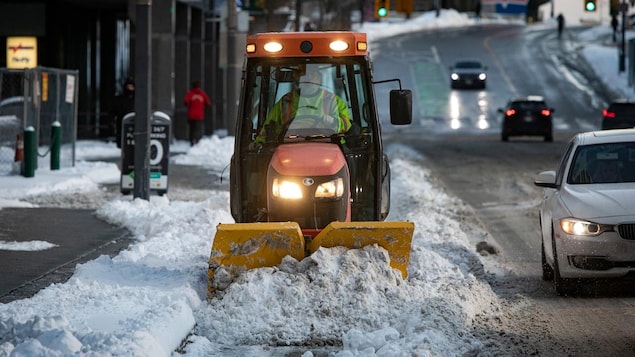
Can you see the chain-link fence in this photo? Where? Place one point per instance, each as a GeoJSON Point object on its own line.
{"type": "Point", "coordinates": [37, 97]}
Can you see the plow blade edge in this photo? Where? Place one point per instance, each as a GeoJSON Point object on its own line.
{"type": "Point", "coordinates": [395, 237]}
{"type": "Point", "coordinates": [242, 246]}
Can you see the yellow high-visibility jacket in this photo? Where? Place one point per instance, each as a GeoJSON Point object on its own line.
{"type": "Point", "coordinates": [293, 104]}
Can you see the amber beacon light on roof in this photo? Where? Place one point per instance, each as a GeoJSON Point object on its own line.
{"type": "Point", "coordinates": [306, 44]}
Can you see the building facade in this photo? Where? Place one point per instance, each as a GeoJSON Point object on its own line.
{"type": "Point", "coordinates": [97, 38]}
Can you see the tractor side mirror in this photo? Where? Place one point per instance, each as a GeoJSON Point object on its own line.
{"type": "Point", "coordinates": [401, 106]}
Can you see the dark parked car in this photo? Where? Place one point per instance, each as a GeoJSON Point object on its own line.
{"type": "Point", "coordinates": [620, 114]}
{"type": "Point", "coordinates": [527, 116]}
{"type": "Point", "coordinates": [468, 74]}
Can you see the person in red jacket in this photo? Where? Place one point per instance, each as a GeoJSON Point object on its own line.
{"type": "Point", "coordinates": [196, 100]}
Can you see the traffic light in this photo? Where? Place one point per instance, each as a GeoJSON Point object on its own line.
{"type": "Point", "coordinates": [381, 8]}
{"type": "Point", "coordinates": [590, 5]}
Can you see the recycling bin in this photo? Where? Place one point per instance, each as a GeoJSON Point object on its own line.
{"type": "Point", "coordinates": [159, 153]}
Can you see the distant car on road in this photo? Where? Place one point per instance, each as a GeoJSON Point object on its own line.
{"type": "Point", "coordinates": [527, 116]}
{"type": "Point", "coordinates": [468, 74]}
{"type": "Point", "coordinates": [587, 213]}
{"type": "Point", "coordinates": [620, 114]}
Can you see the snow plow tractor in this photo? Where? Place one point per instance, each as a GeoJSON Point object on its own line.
{"type": "Point", "coordinates": [308, 168]}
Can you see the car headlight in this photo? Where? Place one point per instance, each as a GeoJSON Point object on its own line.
{"type": "Point", "coordinates": [454, 76]}
{"type": "Point", "coordinates": [583, 228]}
{"type": "Point", "coordinates": [482, 76]}
{"type": "Point", "coordinates": [330, 189]}
{"type": "Point", "coordinates": [286, 189]}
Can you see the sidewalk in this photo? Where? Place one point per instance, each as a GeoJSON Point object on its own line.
{"type": "Point", "coordinates": [78, 235]}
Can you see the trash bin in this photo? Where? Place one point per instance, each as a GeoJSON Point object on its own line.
{"type": "Point", "coordinates": [159, 153]}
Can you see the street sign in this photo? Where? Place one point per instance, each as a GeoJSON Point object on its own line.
{"type": "Point", "coordinates": [512, 7]}
{"type": "Point", "coordinates": [21, 52]}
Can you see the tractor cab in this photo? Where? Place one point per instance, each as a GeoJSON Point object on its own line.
{"type": "Point", "coordinates": [278, 69]}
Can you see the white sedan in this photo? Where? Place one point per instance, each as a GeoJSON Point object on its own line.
{"type": "Point", "coordinates": [587, 214]}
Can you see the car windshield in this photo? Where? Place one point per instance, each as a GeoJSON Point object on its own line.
{"type": "Point", "coordinates": [603, 163]}
{"type": "Point", "coordinates": [470, 64]}
{"type": "Point", "coordinates": [528, 105]}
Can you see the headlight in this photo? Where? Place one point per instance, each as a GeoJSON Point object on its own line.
{"type": "Point", "coordinates": [582, 228]}
{"type": "Point", "coordinates": [454, 76]}
{"type": "Point", "coordinates": [333, 188]}
{"type": "Point", "coordinates": [482, 76]}
{"type": "Point", "coordinates": [338, 46]}
{"type": "Point", "coordinates": [273, 47]}
{"type": "Point", "coordinates": [286, 189]}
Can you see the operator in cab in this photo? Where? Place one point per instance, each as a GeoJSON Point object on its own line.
{"type": "Point", "coordinates": [309, 106]}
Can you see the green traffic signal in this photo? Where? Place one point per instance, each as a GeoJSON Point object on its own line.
{"type": "Point", "coordinates": [590, 5]}
{"type": "Point", "coordinates": [382, 12]}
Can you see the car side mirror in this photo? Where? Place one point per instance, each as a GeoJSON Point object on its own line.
{"type": "Point", "coordinates": [546, 179]}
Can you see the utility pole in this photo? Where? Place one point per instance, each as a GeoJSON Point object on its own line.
{"type": "Point", "coordinates": [552, 9]}
{"type": "Point", "coordinates": [622, 63]}
{"type": "Point", "coordinates": [233, 67]}
{"type": "Point", "coordinates": [298, 11]}
{"type": "Point", "coordinates": [143, 70]}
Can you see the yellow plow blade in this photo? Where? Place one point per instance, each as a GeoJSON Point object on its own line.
{"type": "Point", "coordinates": [239, 247]}
{"type": "Point", "coordinates": [395, 237]}
{"type": "Point", "coordinates": [242, 246]}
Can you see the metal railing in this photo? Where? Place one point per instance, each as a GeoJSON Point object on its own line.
{"type": "Point", "coordinates": [37, 97]}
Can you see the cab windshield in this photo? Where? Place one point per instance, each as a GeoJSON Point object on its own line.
{"type": "Point", "coordinates": [283, 92]}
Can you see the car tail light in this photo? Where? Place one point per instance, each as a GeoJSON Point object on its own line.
{"type": "Point", "coordinates": [510, 112]}
{"type": "Point", "coordinates": [608, 114]}
{"type": "Point", "coordinates": [545, 112]}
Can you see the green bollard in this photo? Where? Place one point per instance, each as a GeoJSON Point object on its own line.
{"type": "Point", "coordinates": [30, 152]}
{"type": "Point", "coordinates": [56, 145]}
